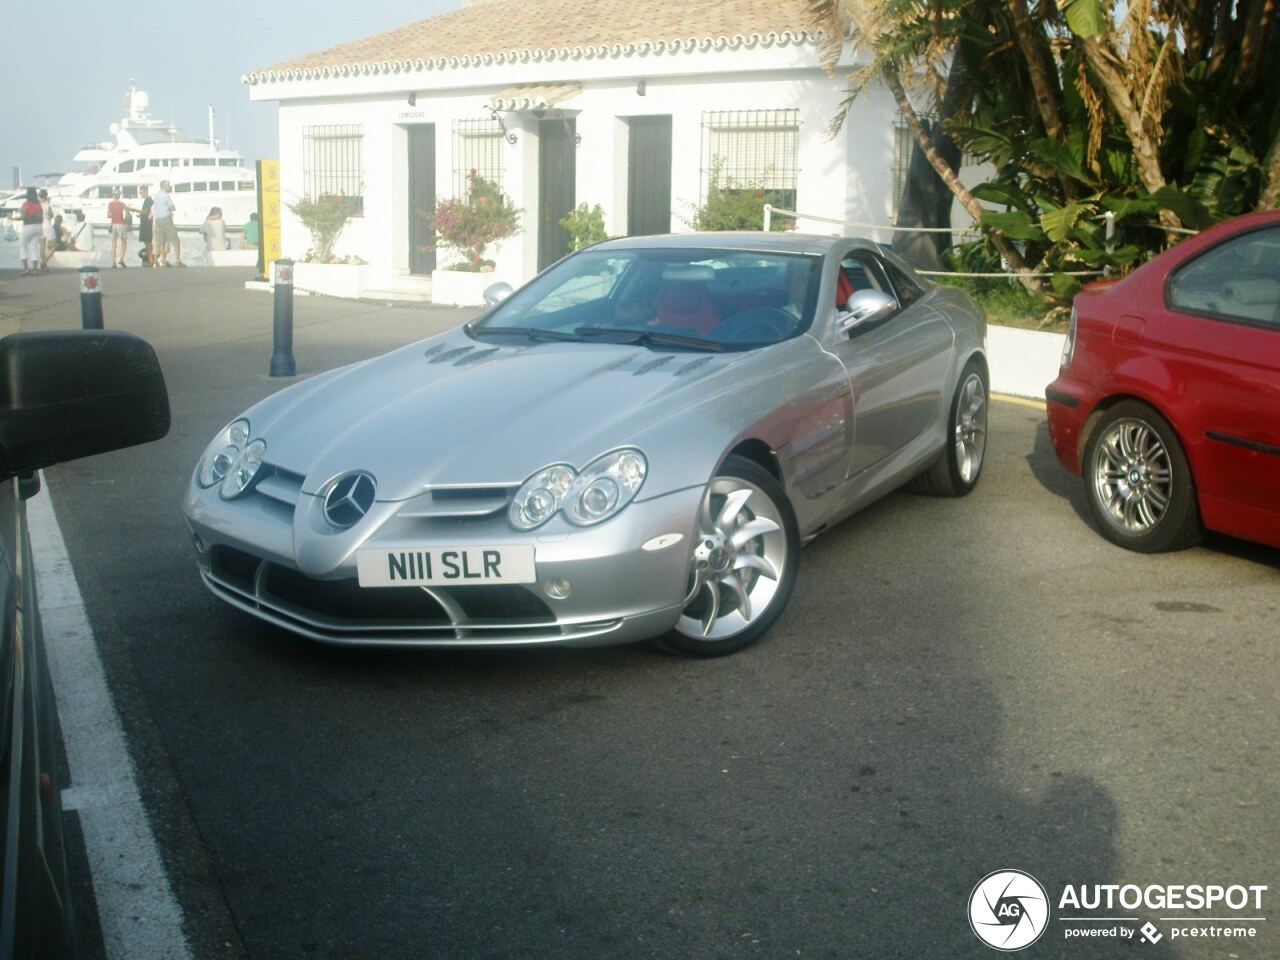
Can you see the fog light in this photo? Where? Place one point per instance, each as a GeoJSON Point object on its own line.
{"type": "Point", "coordinates": [558, 588]}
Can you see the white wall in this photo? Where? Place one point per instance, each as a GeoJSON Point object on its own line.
{"type": "Point", "coordinates": [848, 177]}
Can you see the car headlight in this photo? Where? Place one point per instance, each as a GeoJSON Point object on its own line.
{"type": "Point", "coordinates": [591, 496]}
{"type": "Point", "coordinates": [222, 453]}
{"type": "Point", "coordinates": [242, 472]}
{"type": "Point", "coordinates": [606, 486]}
{"type": "Point", "coordinates": [540, 496]}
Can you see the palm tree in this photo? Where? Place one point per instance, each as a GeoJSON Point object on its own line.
{"type": "Point", "coordinates": [1163, 110]}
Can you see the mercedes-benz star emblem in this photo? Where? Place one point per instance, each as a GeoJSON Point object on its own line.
{"type": "Point", "coordinates": [349, 499]}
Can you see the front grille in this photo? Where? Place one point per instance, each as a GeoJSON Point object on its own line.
{"type": "Point", "coordinates": [343, 611]}
{"type": "Point", "coordinates": [346, 600]}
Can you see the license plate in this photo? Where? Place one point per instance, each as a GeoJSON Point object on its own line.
{"type": "Point", "coordinates": [446, 566]}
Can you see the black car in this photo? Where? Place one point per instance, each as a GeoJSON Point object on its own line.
{"type": "Point", "coordinates": [63, 395]}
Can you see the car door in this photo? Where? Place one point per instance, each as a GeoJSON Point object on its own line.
{"type": "Point", "coordinates": [37, 909]}
{"type": "Point", "coordinates": [1220, 333]}
{"type": "Point", "coordinates": [897, 366]}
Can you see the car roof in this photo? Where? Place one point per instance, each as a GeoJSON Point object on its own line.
{"type": "Point", "coordinates": [757, 240]}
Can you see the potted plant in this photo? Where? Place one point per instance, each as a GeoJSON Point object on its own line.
{"type": "Point", "coordinates": [468, 225]}
{"type": "Point", "coordinates": [319, 271]}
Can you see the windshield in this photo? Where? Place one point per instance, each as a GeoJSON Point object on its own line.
{"type": "Point", "coordinates": [683, 298]}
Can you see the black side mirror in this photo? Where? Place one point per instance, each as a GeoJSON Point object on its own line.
{"type": "Point", "coordinates": [73, 393]}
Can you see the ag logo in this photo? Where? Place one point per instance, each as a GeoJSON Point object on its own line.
{"type": "Point", "coordinates": [1009, 910]}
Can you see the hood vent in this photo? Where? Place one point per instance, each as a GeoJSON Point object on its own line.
{"type": "Point", "coordinates": [438, 356]}
{"type": "Point", "coordinates": [692, 365]}
{"type": "Point", "coordinates": [668, 363]}
{"type": "Point", "coordinates": [460, 356]}
{"type": "Point", "coordinates": [653, 365]}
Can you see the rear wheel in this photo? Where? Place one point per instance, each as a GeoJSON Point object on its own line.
{"type": "Point", "coordinates": [957, 470]}
{"type": "Point", "coordinates": [1139, 482]}
{"type": "Point", "coordinates": [742, 568]}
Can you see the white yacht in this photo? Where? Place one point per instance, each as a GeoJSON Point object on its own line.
{"type": "Point", "coordinates": [145, 151]}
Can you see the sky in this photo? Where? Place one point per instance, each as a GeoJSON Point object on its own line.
{"type": "Point", "coordinates": [68, 69]}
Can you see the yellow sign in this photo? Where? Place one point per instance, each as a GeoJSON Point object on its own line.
{"type": "Point", "coordinates": [268, 215]}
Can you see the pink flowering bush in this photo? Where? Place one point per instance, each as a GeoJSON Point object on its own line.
{"type": "Point", "coordinates": [469, 224]}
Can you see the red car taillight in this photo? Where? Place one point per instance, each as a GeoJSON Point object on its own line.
{"type": "Point", "coordinates": [1069, 346]}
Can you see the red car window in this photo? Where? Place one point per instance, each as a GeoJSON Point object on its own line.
{"type": "Point", "coordinates": [1236, 279]}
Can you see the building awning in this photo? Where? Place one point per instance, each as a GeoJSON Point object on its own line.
{"type": "Point", "coordinates": [534, 96]}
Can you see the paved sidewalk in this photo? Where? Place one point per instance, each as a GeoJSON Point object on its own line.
{"type": "Point", "coordinates": [229, 326]}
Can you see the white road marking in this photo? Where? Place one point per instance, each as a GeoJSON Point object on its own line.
{"type": "Point", "coordinates": [141, 919]}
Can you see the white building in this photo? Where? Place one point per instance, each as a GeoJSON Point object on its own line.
{"type": "Point", "coordinates": [628, 104]}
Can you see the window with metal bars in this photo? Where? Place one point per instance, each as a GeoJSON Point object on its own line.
{"type": "Point", "coordinates": [904, 144]}
{"type": "Point", "coordinates": [752, 150]}
{"type": "Point", "coordinates": [903, 141]}
{"type": "Point", "coordinates": [477, 145]}
{"type": "Point", "coordinates": [333, 162]}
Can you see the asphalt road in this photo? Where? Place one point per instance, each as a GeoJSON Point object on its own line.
{"type": "Point", "coordinates": [957, 687]}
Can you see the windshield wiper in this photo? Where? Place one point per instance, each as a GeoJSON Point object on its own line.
{"type": "Point", "coordinates": [532, 333]}
{"type": "Point", "coordinates": [649, 338]}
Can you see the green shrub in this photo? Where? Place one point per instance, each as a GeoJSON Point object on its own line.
{"type": "Point", "coordinates": [585, 226]}
{"type": "Point", "coordinates": [734, 206]}
{"type": "Point", "coordinates": [325, 217]}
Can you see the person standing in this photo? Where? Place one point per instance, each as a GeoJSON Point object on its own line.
{"type": "Point", "coordinates": [48, 237]}
{"type": "Point", "coordinates": [145, 226]}
{"type": "Point", "coordinates": [166, 234]}
{"type": "Point", "coordinates": [119, 229]}
{"type": "Point", "coordinates": [32, 228]}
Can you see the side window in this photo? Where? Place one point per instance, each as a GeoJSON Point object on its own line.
{"type": "Point", "coordinates": [906, 289]}
{"type": "Point", "coordinates": [863, 273]}
{"type": "Point", "coordinates": [1236, 280]}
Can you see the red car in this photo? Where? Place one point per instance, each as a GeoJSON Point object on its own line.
{"type": "Point", "coordinates": [1168, 401]}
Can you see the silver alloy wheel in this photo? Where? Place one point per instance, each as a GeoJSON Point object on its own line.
{"type": "Point", "coordinates": [739, 555]}
{"type": "Point", "coordinates": [971, 428]}
{"type": "Point", "coordinates": [1133, 475]}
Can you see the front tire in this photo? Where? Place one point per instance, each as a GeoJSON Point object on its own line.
{"type": "Point", "coordinates": [743, 562]}
{"type": "Point", "coordinates": [1138, 481]}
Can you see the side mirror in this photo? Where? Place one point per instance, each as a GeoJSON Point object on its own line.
{"type": "Point", "coordinates": [864, 308]}
{"type": "Point", "coordinates": [73, 393]}
{"type": "Point", "coordinates": [495, 293]}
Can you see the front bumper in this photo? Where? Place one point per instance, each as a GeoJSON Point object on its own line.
{"type": "Point", "coordinates": [627, 577]}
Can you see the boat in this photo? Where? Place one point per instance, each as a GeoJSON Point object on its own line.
{"type": "Point", "coordinates": [145, 151]}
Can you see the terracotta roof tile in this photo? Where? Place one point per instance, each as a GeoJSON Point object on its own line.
{"type": "Point", "coordinates": [487, 31]}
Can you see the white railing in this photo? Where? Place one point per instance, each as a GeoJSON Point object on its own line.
{"type": "Point", "coordinates": [770, 210]}
{"type": "Point", "coordinates": [970, 232]}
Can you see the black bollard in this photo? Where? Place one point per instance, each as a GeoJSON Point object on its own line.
{"type": "Point", "coordinates": [282, 362]}
{"type": "Point", "coordinates": [90, 298]}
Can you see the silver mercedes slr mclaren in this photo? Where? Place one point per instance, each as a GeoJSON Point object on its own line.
{"type": "Point", "coordinates": [633, 445]}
